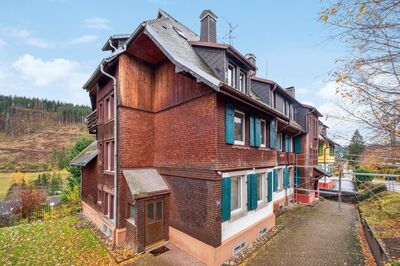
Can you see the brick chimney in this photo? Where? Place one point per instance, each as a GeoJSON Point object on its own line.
{"type": "Point", "coordinates": [208, 27]}
{"type": "Point", "coordinates": [291, 91]}
{"type": "Point", "coordinates": [252, 59]}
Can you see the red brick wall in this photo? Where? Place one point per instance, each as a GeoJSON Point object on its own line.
{"type": "Point", "coordinates": [185, 135]}
{"type": "Point", "coordinates": [238, 157]}
{"type": "Point", "coordinates": [194, 209]}
{"type": "Point", "coordinates": [92, 179]}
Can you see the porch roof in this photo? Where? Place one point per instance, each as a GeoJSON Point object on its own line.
{"type": "Point", "coordinates": [321, 171]}
{"type": "Point", "coordinates": [145, 182]}
{"type": "Point", "coordinates": [88, 154]}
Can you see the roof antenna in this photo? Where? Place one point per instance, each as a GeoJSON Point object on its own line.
{"type": "Point", "coordinates": [229, 35]}
{"type": "Point", "coordinates": [266, 69]}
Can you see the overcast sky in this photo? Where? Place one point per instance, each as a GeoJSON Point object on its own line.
{"type": "Point", "coordinates": [49, 48]}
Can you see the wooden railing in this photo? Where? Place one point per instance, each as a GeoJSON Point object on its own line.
{"type": "Point", "coordinates": [91, 121]}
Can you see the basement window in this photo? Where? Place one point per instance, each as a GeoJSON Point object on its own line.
{"type": "Point", "coordinates": [238, 248]}
{"type": "Point", "coordinates": [263, 232]}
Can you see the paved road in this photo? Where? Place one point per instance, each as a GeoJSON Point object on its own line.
{"type": "Point", "coordinates": [313, 236]}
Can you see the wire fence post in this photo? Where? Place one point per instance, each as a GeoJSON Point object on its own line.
{"type": "Point", "coordinates": [340, 189]}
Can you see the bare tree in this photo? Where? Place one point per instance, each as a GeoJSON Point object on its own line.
{"type": "Point", "coordinates": [369, 78]}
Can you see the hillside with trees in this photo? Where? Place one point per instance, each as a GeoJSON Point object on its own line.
{"type": "Point", "coordinates": [35, 134]}
{"type": "Point", "coordinates": [21, 115]}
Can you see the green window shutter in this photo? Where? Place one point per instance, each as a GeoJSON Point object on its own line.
{"type": "Point", "coordinates": [275, 180]}
{"type": "Point", "coordinates": [254, 189]}
{"type": "Point", "coordinates": [320, 149]}
{"type": "Point", "coordinates": [229, 124]}
{"type": "Point", "coordinates": [226, 199]}
{"type": "Point", "coordinates": [252, 183]}
{"type": "Point", "coordinates": [286, 143]}
{"type": "Point", "coordinates": [285, 177]}
{"type": "Point", "coordinates": [272, 134]}
{"type": "Point", "coordinates": [257, 132]}
{"type": "Point", "coordinates": [269, 186]}
{"type": "Point", "coordinates": [297, 145]}
{"type": "Point", "coordinates": [252, 133]}
{"type": "Point", "coordinates": [298, 176]}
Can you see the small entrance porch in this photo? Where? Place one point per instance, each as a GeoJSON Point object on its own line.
{"type": "Point", "coordinates": [147, 209]}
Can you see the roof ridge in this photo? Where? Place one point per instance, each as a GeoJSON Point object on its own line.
{"type": "Point", "coordinates": [162, 12]}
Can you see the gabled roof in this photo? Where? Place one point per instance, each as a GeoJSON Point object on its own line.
{"type": "Point", "coordinates": [328, 140]}
{"type": "Point", "coordinates": [229, 49]}
{"type": "Point", "coordinates": [276, 85]}
{"type": "Point", "coordinates": [88, 154]}
{"type": "Point", "coordinates": [172, 38]}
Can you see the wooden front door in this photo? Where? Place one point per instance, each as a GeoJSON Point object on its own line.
{"type": "Point", "coordinates": [154, 221]}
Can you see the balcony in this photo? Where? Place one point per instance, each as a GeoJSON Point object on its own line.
{"type": "Point", "coordinates": [91, 121]}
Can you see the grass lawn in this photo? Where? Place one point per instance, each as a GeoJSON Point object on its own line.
{"type": "Point", "coordinates": [383, 215]}
{"type": "Point", "coordinates": [54, 242]}
{"type": "Point", "coordinates": [7, 179]}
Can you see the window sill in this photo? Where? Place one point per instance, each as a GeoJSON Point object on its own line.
{"type": "Point", "coordinates": [109, 172]}
{"type": "Point", "coordinates": [237, 215]}
{"type": "Point", "coordinates": [264, 149]}
{"type": "Point", "coordinates": [241, 147]}
{"type": "Point", "coordinates": [131, 221]}
{"type": "Point", "coordinates": [261, 204]}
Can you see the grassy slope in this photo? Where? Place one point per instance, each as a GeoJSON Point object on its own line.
{"type": "Point", "coordinates": [54, 242]}
{"type": "Point", "coordinates": [7, 179]}
{"type": "Point", "coordinates": [384, 215]}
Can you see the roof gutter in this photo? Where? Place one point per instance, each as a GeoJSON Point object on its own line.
{"type": "Point", "coordinates": [225, 89]}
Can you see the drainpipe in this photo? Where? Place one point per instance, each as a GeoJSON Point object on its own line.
{"type": "Point", "coordinates": [307, 159]}
{"type": "Point", "coordinates": [272, 94]}
{"type": "Point", "coordinates": [112, 46]}
{"type": "Point", "coordinates": [115, 143]}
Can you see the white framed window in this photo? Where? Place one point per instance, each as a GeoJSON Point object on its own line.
{"type": "Point", "coordinates": [280, 179]}
{"type": "Point", "coordinates": [239, 123]}
{"type": "Point", "coordinates": [242, 82]}
{"type": "Point", "coordinates": [263, 132]}
{"type": "Point", "coordinates": [279, 142]}
{"type": "Point", "coordinates": [236, 193]}
{"type": "Point", "coordinates": [231, 75]}
{"type": "Point", "coordinates": [261, 195]}
{"type": "Point", "coordinates": [291, 176]}
{"type": "Point", "coordinates": [290, 144]}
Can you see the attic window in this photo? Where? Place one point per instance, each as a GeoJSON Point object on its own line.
{"type": "Point", "coordinates": [180, 33]}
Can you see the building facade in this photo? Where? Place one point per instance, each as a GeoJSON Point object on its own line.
{"type": "Point", "coordinates": [191, 146]}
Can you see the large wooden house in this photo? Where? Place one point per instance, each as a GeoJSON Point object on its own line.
{"type": "Point", "coordinates": [191, 146]}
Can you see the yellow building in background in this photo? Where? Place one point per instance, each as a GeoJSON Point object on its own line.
{"type": "Point", "coordinates": [326, 150]}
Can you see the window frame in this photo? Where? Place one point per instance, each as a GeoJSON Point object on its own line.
{"type": "Point", "coordinates": [243, 141]}
{"type": "Point", "coordinates": [242, 82]}
{"type": "Point", "coordinates": [232, 82]}
{"type": "Point", "coordinates": [264, 189]}
{"type": "Point", "coordinates": [280, 179]}
{"type": "Point", "coordinates": [280, 136]}
{"type": "Point", "coordinates": [263, 133]}
{"type": "Point", "coordinates": [240, 195]}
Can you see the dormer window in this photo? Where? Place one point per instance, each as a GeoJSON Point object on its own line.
{"type": "Point", "coordinates": [242, 82]}
{"type": "Point", "coordinates": [231, 75]}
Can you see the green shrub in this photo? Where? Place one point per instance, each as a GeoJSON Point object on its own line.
{"type": "Point", "coordinates": [363, 178]}
{"type": "Point", "coordinates": [374, 189]}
